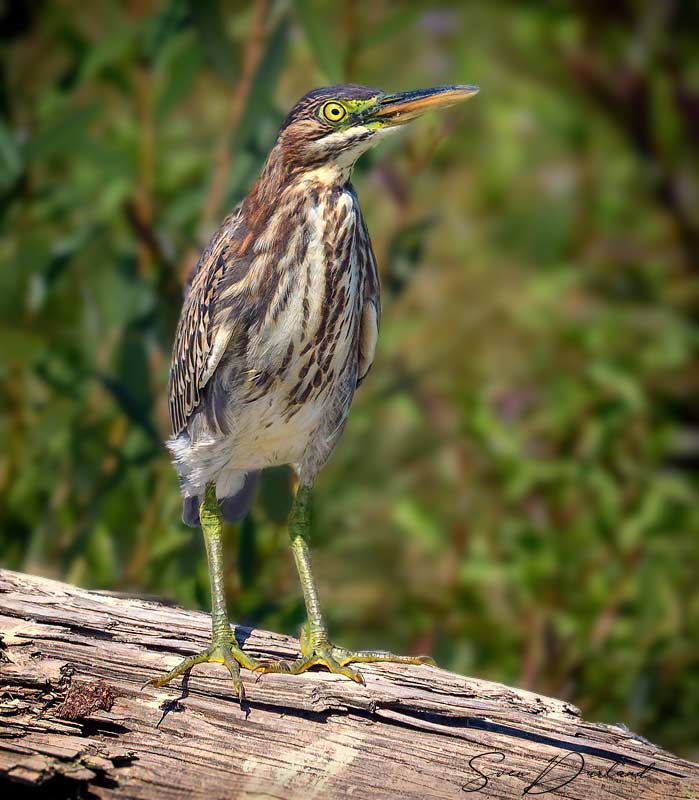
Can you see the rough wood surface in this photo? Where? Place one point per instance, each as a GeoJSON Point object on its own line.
{"type": "Point", "coordinates": [75, 723]}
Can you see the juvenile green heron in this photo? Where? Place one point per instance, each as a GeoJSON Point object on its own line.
{"type": "Point", "coordinates": [278, 328]}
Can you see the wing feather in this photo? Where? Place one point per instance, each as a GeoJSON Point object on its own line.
{"type": "Point", "coordinates": [198, 345]}
{"type": "Point", "coordinates": [371, 306]}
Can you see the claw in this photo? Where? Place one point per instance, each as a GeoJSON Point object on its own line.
{"type": "Point", "coordinates": [219, 653]}
{"type": "Point", "coordinates": [354, 675]}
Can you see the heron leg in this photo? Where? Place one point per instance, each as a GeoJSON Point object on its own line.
{"type": "Point", "coordinates": [316, 647]}
{"type": "Point", "coordinates": [224, 649]}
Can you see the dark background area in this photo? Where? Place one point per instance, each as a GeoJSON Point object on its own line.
{"type": "Point", "coordinates": [516, 491]}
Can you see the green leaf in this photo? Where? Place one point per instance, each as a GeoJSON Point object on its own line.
{"type": "Point", "coordinates": [619, 383]}
{"type": "Point", "coordinates": [19, 346]}
{"type": "Point", "coordinates": [178, 66]}
{"type": "Point", "coordinates": [264, 82]}
{"type": "Point", "coordinates": [62, 135]}
{"type": "Point", "coordinates": [321, 39]}
{"type": "Point", "coordinates": [161, 27]}
{"type": "Point", "coordinates": [119, 297]}
{"type": "Point", "coordinates": [111, 52]}
{"type": "Point", "coordinates": [210, 24]}
{"type": "Point", "coordinates": [10, 158]}
{"type": "Point", "coordinates": [417, 522]}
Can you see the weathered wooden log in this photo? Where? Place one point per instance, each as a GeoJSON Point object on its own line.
{"type": "Point", "coordinates": [75, 722]}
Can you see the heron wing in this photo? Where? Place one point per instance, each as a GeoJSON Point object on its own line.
{"type": "Point", "coordinates": [371, 305]}
{"type": "Point", "coordinates": [199, 340]}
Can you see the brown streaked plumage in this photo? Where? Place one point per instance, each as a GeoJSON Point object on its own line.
{"type": "Point", "coordinates": [283, 310]}
{"type": "Point", "coordinates": [278, 328]}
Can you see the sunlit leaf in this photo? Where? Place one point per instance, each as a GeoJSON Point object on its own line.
{"type": "Point", "coordinates": [179, 65]}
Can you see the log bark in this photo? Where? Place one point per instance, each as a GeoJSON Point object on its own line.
{"type": "Point", "coordinates": [74, 721]}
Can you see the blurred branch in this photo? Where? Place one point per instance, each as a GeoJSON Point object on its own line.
{"type": "Point", "coordinates": [222, 161]}
{"type": "Point", "coordinates": [252, 55]}
{"type": "Point", "coordinates": [144, 230]}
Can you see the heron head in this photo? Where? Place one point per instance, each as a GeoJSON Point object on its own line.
{"type": "Point", "coordinates": [331, 127]}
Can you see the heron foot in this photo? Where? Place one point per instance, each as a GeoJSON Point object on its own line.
{"type": "Point", "coordinates": [224, 651]}
{"type": "Point", "coordinates": [318, 651]}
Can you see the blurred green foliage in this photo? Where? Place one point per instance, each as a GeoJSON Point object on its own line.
{"type": "Point", "coordinates": [516, 488]}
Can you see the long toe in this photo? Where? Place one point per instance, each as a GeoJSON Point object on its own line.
{"type": "Point", "coordinates": [230, 655]}
{"type": "Point", "coordinates": [345, 656]}
{"type": "Point", "coordinates": [305, 663]}
{"type": "Point", "coordinates": [181, 669]}
{"type": "Point", "coordinates": [337, 660]}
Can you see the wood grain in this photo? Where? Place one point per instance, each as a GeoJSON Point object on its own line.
{"type": "Point", "coordinates": [74, 721]}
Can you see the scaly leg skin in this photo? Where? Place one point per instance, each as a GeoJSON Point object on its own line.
{"type": "Point", "coordinates": [316, 648]}
{"type": "Point", "coordinates": [224, 648]}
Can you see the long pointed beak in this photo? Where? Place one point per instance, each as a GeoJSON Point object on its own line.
{"type": "Point", "coordinates": [396, 109]}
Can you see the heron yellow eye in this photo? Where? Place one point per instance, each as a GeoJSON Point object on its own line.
{"type": "Point", "coordinates": [333, 112]}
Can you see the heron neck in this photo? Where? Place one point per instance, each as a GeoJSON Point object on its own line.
{"type": "Point", "coordinates": [279, 175]}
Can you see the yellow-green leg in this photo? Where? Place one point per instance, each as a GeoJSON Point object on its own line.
{"type": "Point", "coordinates": [224, 648]}
{"type": "Point", "coordinates": [316, 647]}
